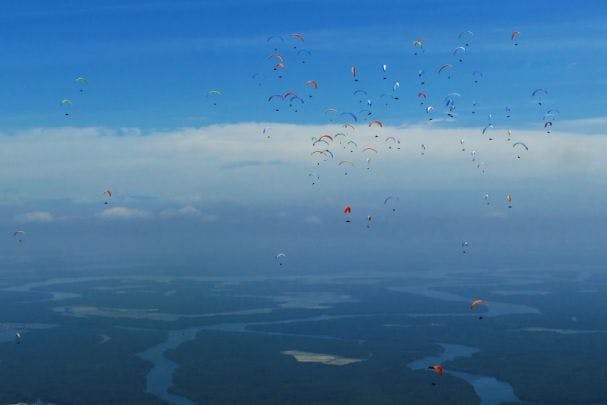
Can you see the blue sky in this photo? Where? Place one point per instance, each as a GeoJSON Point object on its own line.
{"type": "Point", "coordinates": [151, 63]}
{"type": "Point", "coordinates": [191, 167]}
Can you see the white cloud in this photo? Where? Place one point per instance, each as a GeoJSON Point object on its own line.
{"type": "Point", "coordinates": [123, 213]}
{"type": "Point", "coordinates": [187, 165]}
{"type": "Point", "coordinates": [188, 212]}
{"type": "Point", "coordinates": [594, 125]}
{"type": "Point", "coordinates": [313, 220]}
{"type": "Point", "coordinates": [35, 216]}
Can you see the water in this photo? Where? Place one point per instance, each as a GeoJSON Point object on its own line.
{"type": "Point", "coordinates": [490, 390]}
{"type": "Point", "coordinates": [160, 378]}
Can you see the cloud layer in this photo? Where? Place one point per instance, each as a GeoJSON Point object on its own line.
{"type": "Point", "coordinates": [186, 167]}
{"type": "Point", "coordinates": [35, 216]}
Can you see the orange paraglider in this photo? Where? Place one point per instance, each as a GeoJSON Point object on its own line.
{"type": "Point", "coordinates": [437, 369]}
{"type": "Point", "coordinates": [476, 302]}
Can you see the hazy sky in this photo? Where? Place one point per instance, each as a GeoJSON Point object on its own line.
{"type": "Point", "coordinates": [193, 172]}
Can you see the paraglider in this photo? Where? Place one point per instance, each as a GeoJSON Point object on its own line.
{"type": "Point", "coordinates": [392, 140]}
{"type": "Point", "coordinates": [437, 369]}
{"type": "Point", "coordinates": [464, 247]}
{"type": "Point", "coordinates": [83, 82]}
{"type": "Point", "coordinates": [314, 176]}
{"type": "Point", "coordinates": [376, 122]}
{"type": "Point", "coordinates": [391, 199]}
{"type": "Point", "coordinates": [476, 302]}
{"type": "Point", "coordinates": [329, 113]}
{"type": "Point", "coordinates": [423, 146]}
{"type": "Point", "coordinates": [213, 94]}
{"type": "Point", "coordinates": [19, 234]}
{"type": "Point", "coordinates": [486, 197]}
{"type": "Point", "coordinates": [295, 98]}
{"type": "Point", "coordinates": [347, 211]}
{"type": "Point", "coordinates": [486, 128]}
{"type": "Point", "coordinates": [298, 36]}
{"type": "Point", "coordinates": [303, 54]}
{"type": "Point", "coordinates": [313, 84]}
{"type": "Point", "coordinates": [548, 126]}
{"type": "Point", "coordinates": [281, 59]}
{"type": "Point", "coordinates": [107, 192]}
{"type": "Point", "coordinates": [420, 73]}
{"type": "Point", "coordinates": [281, 66]}
{"type": "Point", "coordinates": [280, 258]}
{"type": "Point", "coordinates": [477, 75]}
{"type": "Point", "coordinates": [18, 337]}
{"type": "Point", "coordinates": [423, 95]}
{"type": "Point", "coordinates": [509, 200]}
{"type": "Point", "coordinates": [394, 88]}
{"type": "Point", "coordinates": [258, 77]}
{"type": "Point", "coordinates": [467, 35]}
{"type": "Point", "coordinates": [275, 39]}
{"type": "Point", "coordinates": [446, 66]}
{"type": "Point", "coordinates": [537, 93]}
{"type": "Point", "coordinates": [353, 70]}
{"type": "Point", "coordinates": [384, 69]}
{"type": "Point", "coordinates": [273, 98]}
{"type": "Point", "coordinates": [418, 43]}
{"type": "Point", "coordinates": [459, 51]}
{"type": "Point", "coordinates": [521, 144]}
{"type": "Point", "coordinates": [350, 115]}
{"type": "Point", "coordinates": [66, 103]}
{"type": "Point", "coordinates": [514, 37]}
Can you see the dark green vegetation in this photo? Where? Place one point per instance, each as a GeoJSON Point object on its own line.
{"type": "Point", "coordinates": [92, 357]}
{"type": "Point", "coordinates": [68, 365]}
{"type": "Point", "coordinates": [247, 368]}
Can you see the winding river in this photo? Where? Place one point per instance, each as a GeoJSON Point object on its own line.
{"type": "Point", "coordinates": [490, 390]}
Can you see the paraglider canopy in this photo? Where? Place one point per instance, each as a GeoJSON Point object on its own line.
{"type": "Point", "coordinates": [19, 234]}
{"type": "Point", "coordinates": [514, 37]}
{"type": "Point", "coordinates": [279, 257]}
{"type": "Point", "coordinates": [437, 369]}
{"type": "Point", "coordinates": [476, 302]}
